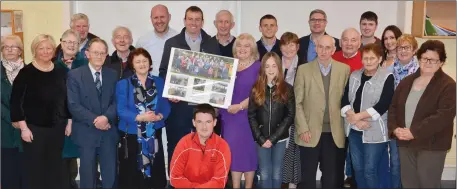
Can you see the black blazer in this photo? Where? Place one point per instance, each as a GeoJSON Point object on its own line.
{"type": "Point", "coordinates": [263, 50]}
{"type": "Point", "coordinates": [208, 45]}
{"type": "Point", "coordinates": [303, 51]}
{"type": "Point", "coordinates": [115, 63]}
{"type": "Point", "coordinates": [179, 122]}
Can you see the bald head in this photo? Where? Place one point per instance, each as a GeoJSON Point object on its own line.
{"type": "Point", "coordinates": [224, 22]}
{"type": "Point", "coordinates": [326, 39]}
{"type": "Point", "coordinates": [223, 14]}
{"type": "Point", "coordinates": [159, 8]}
{"type": "Point", "coordinates": [325, 48]}
{"type": "Point", "coordinates": [350, 42]}
{"type": "Point", "coordinates": [160, 18]}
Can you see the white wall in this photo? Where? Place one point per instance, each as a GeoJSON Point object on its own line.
{"type": "Point", "coordinates": [104, 16]}
{"type": "Point", "coordinates": [292, 15]}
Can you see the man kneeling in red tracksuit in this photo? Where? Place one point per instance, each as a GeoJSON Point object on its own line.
{"type": "Point", "coordinates": [201, 159]}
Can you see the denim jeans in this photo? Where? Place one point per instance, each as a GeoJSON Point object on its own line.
{"type": "Point", "coordinates": [366, 159]}
{"type": "Point", "coordinates": [270, 164]}
{"type": "Point", "coordinates": [394, 164]}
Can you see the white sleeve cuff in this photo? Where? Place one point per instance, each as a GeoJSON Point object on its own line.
{"type": "Point", "coordinates": [345, 109]}
{"type": "Point", "coordinates": [373, 113]}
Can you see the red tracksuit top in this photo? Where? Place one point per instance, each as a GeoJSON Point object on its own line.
{"type": "Point", "coordinates": [197, 166]}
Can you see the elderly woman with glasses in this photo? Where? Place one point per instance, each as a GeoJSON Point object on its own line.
{"type": "Point", "coordinates": [421, 118]}
{"type": "Point", "coordinates": [70, 47]}
{"type": "Point", "coordinates": [12, 63]}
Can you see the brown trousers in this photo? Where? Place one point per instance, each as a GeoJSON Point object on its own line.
{"type": "Point", "coordinates": [421, 168]}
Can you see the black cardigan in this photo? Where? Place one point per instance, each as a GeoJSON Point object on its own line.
{"type": "Point", "coordinates": [263, 50]}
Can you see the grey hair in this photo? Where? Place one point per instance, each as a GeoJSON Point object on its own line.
{"type": "Point", "coordinates": [71, 32]}
{"type": "Point", "coordinates": [122, 28]}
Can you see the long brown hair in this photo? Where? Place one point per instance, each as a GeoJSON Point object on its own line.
{"type": "Point", "coordinates": [258, 90]}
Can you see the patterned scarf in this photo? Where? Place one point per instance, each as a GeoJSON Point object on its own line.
{"type": "Point", "coordinates": [290, 76]}
{"type": "Point", "coordinates": [401, 71]}
{"type": "Point", "coordinates": [12, 68]}
{"type": "Point", "coordinates": [146, 100]}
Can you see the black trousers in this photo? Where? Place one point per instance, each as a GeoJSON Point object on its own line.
{"type": "Point", "coordinates": [12, 169]}
{"type": "Point", "coordinates": [69, 173]}
{"type": "Point", "coordinates": [43, 157]}
{"type": "Point", "coordinates": [331, 159]}
{"type": "Point", "coordinates": [130, 177]}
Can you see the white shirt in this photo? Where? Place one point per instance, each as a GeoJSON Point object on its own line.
{"type": "Point", "coordinates": [154, 45]}
{"type": "Point", "coordinates": [92, 70]}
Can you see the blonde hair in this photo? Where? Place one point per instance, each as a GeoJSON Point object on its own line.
{"type": "Point", "coordinates": [15, 38]}
{"type": "Point", "coordinates": [78, 16]}
{"type": "Point", "coordinates": [42, 38]}
{"type": "Point", "coordinates": [407, 38]}
{"type": "Point", "coordinates": [122, 28]}
{"type": "Point", "coordinates": [246, 36]}
{"type": "Point", "coordinates": [71, 32]}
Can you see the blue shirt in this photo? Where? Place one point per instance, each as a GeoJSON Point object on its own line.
{"type": "Point", "coordinates": [268, 47]}
{"type": "Point", "coordinates": [325, 71]}
{"type": "Point", "coordinates": [311, 50]}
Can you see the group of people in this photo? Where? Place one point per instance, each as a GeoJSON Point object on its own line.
{"type": "Point", "coordinates": [203, 66]}
{"type": "Point", "coordinates": [379, 111]}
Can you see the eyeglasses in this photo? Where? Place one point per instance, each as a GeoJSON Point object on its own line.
{"type": "Point", "coordinates": [432, 61]}
{"type": "Point", "coordinates": [404, 48]}
{"type": "Point", "coordinates": [14, 48]}
{"type": "Point", "coordinates": [70, 42]}
{"type": "Point", "coordinates": [98, 53]}
{"type": "Point", "coordinates": [313, 20]}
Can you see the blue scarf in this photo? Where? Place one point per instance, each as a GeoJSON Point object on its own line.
{"type": "Point", "coordinates": [401, 71]}
{"type": "Point", "coordinates": [146, 100]}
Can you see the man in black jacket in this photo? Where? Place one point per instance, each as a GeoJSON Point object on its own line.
{"type": "Point", "coordinates": [317, 23]}
{"type": "Point", "coordinates": [192, 37]}
{"type": "Point", "coordinates": [122, 41]}
{"type": "Point", "coordinates": [268, 25]}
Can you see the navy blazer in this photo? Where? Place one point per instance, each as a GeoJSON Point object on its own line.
{"type": "Point", "coordinates": [84, 105]}
{"type": "Point", "coordinates": [126, 108]}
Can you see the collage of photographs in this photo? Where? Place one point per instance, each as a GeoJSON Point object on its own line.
{"type": "Point", "coordinates": [205, 74]}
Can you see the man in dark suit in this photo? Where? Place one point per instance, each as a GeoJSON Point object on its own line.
{"type": "Point", "coordinates": [317, 23]}
{"type": "Point", "coordinates": [91, 101]}
{"type": "Point", "coordinates": [268, 25]}
{"type": "Point", "coordinates": [192, 37]}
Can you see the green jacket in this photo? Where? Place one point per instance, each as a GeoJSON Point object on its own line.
{"type": "Point", "coordinates": [11, 137]}
{"type": "Point", "coordinates": [75, 64]}
{"type": "Point", "coordinates": [70, 150]}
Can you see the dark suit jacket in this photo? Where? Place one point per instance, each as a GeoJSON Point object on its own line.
{"type": "Point", "coordinates": [262, 50]}
{"type": "Point", "coordinates": [208, 45]}
{"type": "Point", "coordinates": [179, 122]}
{"type": "Point", "coordinates": [115, 63]}
{"type": "Point", "coordinates": [303, 50]}
{"type": "Point", "coordinates": [85, 105]}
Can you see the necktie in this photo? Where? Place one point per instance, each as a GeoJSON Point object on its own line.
{"type": "Point", "coordinates": [98, 83]}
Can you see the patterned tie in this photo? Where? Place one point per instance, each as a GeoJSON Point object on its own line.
{"type": "Point", "coordinates": [98, 83]}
